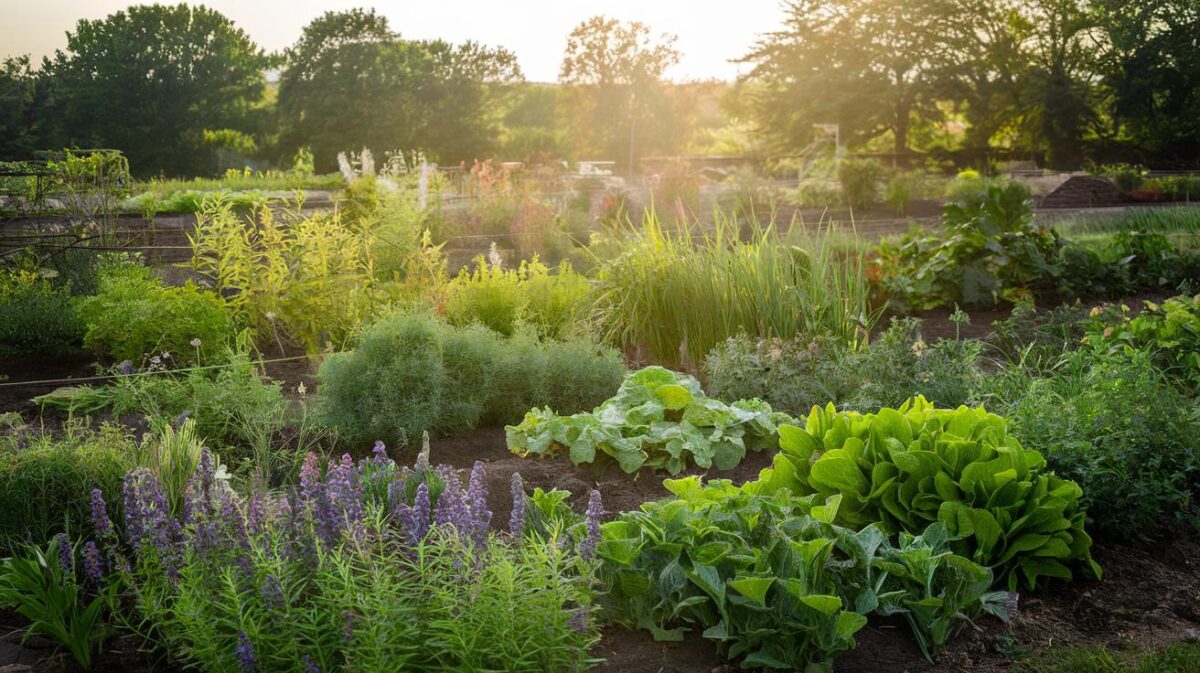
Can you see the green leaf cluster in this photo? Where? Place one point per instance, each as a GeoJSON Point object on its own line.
{"type": "Point", "coordinates": [773, 581]}
{"type": "Point", "coordinates": [658, 419]}
{"type": "Point", "coordinates": [909, 467]}
{"type": "Point", "coordinates": [989, 250]}
{"type": "Point", "coordinates": [37, 586]}
{"type": "Point", "coordinates": [1171, 330]}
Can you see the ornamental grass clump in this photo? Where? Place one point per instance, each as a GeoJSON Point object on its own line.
{"type": "Point", "coordinates": [365, 566]}
{"type": "Point", "coordinates": [676, 295]}
{"type": "Point", "coordinates": [917, 465]}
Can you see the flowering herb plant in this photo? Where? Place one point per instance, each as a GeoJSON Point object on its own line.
{"type": "Point", "coordinates": [365, 566]}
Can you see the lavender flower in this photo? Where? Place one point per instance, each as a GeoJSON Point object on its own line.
{"type": "Point", "coordinates": [451, 508]}
{"type": "Point", "coordinates": [310, 477]}
{"type": "Point", "coordinates": [100, 520]}
{"type": "Point", "coordinates": [379, 455]}
{"type": "Point", "coordinates": [418, 517]}
{"type": "Point", "coordinates": [516, 521]}
{"type": "Point", "coordinates": [245, 652]}
{"type": "Point", "coordinates": [255, 516]}
{"type": "Point", "coordinates": [66, 559]}
{"type": "Point", "coordinates": [343, 500]}
{"type": "Point", "coordinates": [309, 666]}
{"type": "Point", "coordinates": [171, 551]}
{"type": "Point", "coordinates": [145, 510]}
{"type": "Point", "coordinates": [197, 502]}
{"type": "Point", "coordinates": [481, 516]}
{"type": "Point", "coordinates": [93, 570]}
{"type": "Point", "coordinates": [595, 510]}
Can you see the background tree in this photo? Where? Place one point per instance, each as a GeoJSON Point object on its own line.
{"type": "Point", "coordinates": [25, 113]}
{"type": "Point", "coordinates": [864, 64]}
{"type": "Point", "coordinates": [350, 82]}
{"type": "Point", "coordinates": [979, 65]}
{"type": "Point", "coordinates": [1060, 107]}
{"type": "Point", "coordinates": [149, 80]}
{"type": "Point", "coordinates": [1151, 71]}
{"type": "Point", "coordinates": [614, 90]}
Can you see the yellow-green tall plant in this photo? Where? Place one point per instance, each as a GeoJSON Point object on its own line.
{"type": "Point", "coordinates": [309, 279]}
{"type": "Point", "coordinates": [676, 293]}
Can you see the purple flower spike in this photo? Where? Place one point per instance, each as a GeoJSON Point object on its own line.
{"type": "Point", "coordinates": [451, 507]}
{"type": "Point", "coordinates": [379, 455]}
{"type": "Point", "coordinates": [516, 522]}
{"type": "Point", "coordinates": [481, 516]}
{"type": "Point", "coordinates": [418, 518]}
{"type": "Point", "coordinates": [92, 568]}
{"type": "Point", "coordinates": [309, 666]}
{"type": "Point", "coordinates": [100, 520]}
{"type": "Point", "coordinates": [245, 652]}
{"type": "Point", "coordinates": [310, 478]}
{"type": "Point", "coordinates": [595, 510]}
{"type": "Point", "coordinates": [66, 559]}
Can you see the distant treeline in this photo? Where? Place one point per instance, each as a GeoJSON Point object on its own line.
{"type": "Point", "coordinates": [182, 91]}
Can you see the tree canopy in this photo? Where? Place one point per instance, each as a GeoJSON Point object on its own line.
{"type": "Point", "coordinates": [613, 76]}
{"type": "Point", "coordinates": [350, 82]}
{"type": "Point", "coordinates": [151, 79]}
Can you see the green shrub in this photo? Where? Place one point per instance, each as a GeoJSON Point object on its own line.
{"type": "Point", "coordinates": [38, 585]}
{"type": "Point", "coordinates": [795, 375]}
{"type": "Point", "coordinates": [989, 250]}
{"type": "Point", "coordinates": [772, 581]}
{"type": "Point", "coordinates": [898, 192]}
{"type": "Point", "coordinates": [1170, 331]}
{"type": "Point", "coordinates": [1036, 339]}
{"type": "Point", "coordinates": [45, 481]}
{"type": "Point", "coordinates": [36, 318]}
{"type": "Point", "coordinates": [899, 365]}
{"type": "Point", "coordinates": [792, 375]}
{"type": "Point", "coordinates": [412, 372]}
{"type": "Point", "coordinates": [501, 298]}
{"type": "Point", "coordinates": [234, 410]}
{"type": "Point", "coordinates": [909, 467]}
{"type": "Point", "coordinates": [1125, 177]}
{"type": "Point", "coordinates": [1114, 424]}
{"type": "Point", "coordinates": [859, 180]}
{"type": "Point", "coordinates": [134, 315]}
{"type": "Point", "coordinates": [657, 419]}
{"type": "Point", "coordinates": [967, 184]}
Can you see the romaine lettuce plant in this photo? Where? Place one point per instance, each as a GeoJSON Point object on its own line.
{"type": "Point", "coordinates": [658, 419]}
{"type": "Point", "coordinates": [910, 467]}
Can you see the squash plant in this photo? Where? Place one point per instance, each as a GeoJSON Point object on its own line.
{"type": "Point", "coordinates": [910, 467]}
{"type": "Point", "coordinates": [659, 419]}
{"type": "Point", "coordinates": [772, 580]}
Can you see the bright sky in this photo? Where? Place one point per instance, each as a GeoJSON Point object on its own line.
{"type": "Point", "coordinates": [535, 30]}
